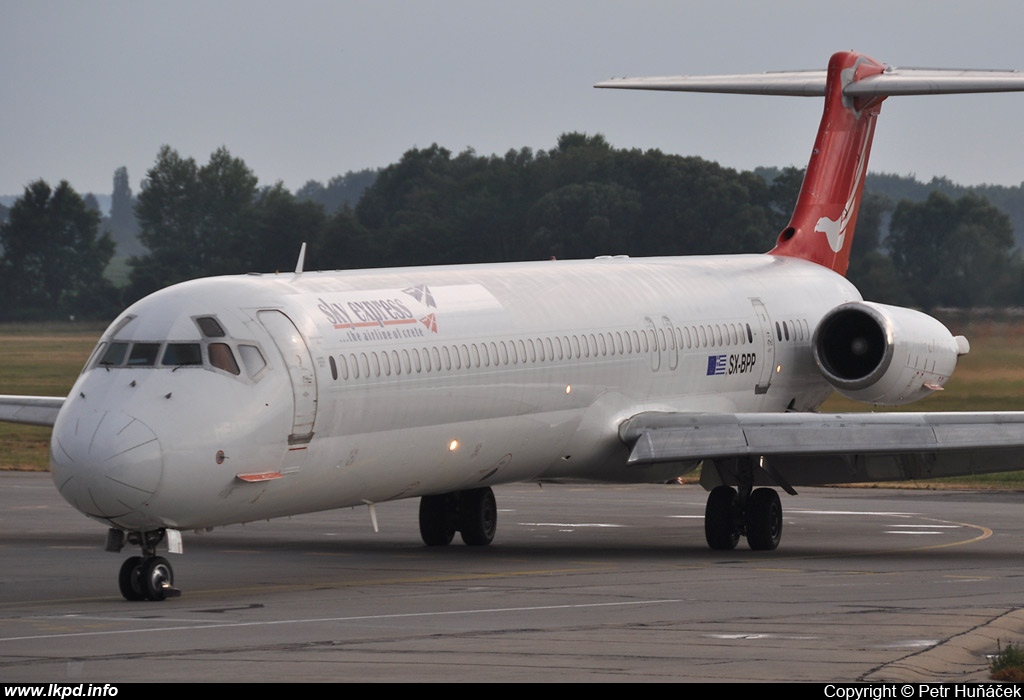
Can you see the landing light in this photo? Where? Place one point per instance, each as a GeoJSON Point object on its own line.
{"type": "Point", "coordinates": [453, 445]}
{"type": "Point", "coordinates": [568, 388]}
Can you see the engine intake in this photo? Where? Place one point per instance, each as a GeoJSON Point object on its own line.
{"type": "Point", "coordinates": [884, 354]}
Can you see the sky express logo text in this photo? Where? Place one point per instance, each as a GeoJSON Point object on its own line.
{"type": "Point", "coordinates": [380, 318]}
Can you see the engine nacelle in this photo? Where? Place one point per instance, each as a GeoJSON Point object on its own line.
{"type": "Point", "coordinates": [883, 354]}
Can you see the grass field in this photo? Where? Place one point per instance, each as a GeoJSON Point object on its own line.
{"type": "Point", "coordinates": [45, 359]}
{"type": "Point", "coordinates": [41, 359]}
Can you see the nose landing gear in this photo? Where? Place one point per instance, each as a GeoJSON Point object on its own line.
{"type": "Point", "coordinates": [148, 577]}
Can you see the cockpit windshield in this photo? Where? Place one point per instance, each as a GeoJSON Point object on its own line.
{"type": "Point", "coordinates": [182, 354]}
{"type": "Point", "coordinates": [215, 351]}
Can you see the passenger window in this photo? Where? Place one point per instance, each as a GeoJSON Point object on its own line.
{"type": "Point", "coordinates": [182, 354]}
{"type": "Point", "coordinates": [221, 357]}
{"type": "Point", "coordinates": [114, 355]}
{"type": "Point", "coordinates": [143, 354]}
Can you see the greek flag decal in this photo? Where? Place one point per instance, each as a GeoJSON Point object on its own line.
{"type": "Point", "coordinates": [716, 364]}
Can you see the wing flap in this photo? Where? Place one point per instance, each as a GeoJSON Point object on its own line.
{"type": "Point", "coordinates": [30, 410]}
{"type": "Point", "coordinates": [808, 448]}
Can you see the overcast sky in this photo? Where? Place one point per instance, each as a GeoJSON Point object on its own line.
{"type": "Point", "coordinates": [308, 90]}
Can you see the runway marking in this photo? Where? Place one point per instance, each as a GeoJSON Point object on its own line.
{"type": "Point", "coordinates": [985, 534]}
{"type": "Point", "coordinates": [948, 527]}
{"type": "Point", "coordinates": [761, 635]}
{"type": "Point", "coordinates": [910, 644]}
{"type": "Point", "coordinates": [321, 620]}
{"type": "Point", "coordinates": [911, 532]}
{"type": "Point", "coordinates": [571, 525]}
{"type": "Point", "coordinates": [896, 514]}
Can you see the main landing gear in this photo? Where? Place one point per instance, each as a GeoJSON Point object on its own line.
{"type": "Point", "coordinates": [757, 514]}
{"type": "Point", "coordinates": [472, 513]}
{"type": "Point", "coordinates": [148, 577]}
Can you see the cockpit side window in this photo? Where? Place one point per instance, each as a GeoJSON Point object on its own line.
{"type": "Point", "coordinates": [221, 357]}
{"type": "Point", "coordinates": [252, 358]}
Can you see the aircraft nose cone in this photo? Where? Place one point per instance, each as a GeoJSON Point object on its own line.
{"type": "Point", "coordinates": [108, 465]}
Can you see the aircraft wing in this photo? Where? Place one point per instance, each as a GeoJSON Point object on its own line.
{"type": "Point", "coordinates": [31, 410]}
{"type": "Point", "coordinates": [833, 448]}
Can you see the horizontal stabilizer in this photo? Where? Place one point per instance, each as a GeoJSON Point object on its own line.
{"type": "Point", "coordinates": [811, 83]}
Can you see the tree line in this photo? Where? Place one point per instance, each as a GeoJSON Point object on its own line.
{"type": "Point", "coordinates": [579, 199]}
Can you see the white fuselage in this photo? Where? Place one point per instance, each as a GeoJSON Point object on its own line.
{"type": "Point", "coordinates": [375, 385]}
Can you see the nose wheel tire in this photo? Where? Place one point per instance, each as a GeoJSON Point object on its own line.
{"type": "Point", "coordinates": [157, 577]}
{"type": "Point", "coordinates": [146, 578]}
{"type": "Point", "coordinates": [128, 579]}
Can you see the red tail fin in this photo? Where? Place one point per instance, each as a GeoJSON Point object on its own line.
{"type": "Point", "coordinates": [854, 87]}
{"type": "Point", "coordinates": [821, 229]}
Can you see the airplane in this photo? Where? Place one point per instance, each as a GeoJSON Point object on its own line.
{"type": "Point", "coordinates": [233, 399]}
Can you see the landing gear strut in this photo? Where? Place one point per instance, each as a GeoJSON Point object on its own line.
{"type": "Point", "coordinates": [148, 577]}
{"type": "Point", "coordinates": [472, 513]}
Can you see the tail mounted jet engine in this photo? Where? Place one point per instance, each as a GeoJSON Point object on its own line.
{"type": "Point", "coordinates": [885, 355]}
